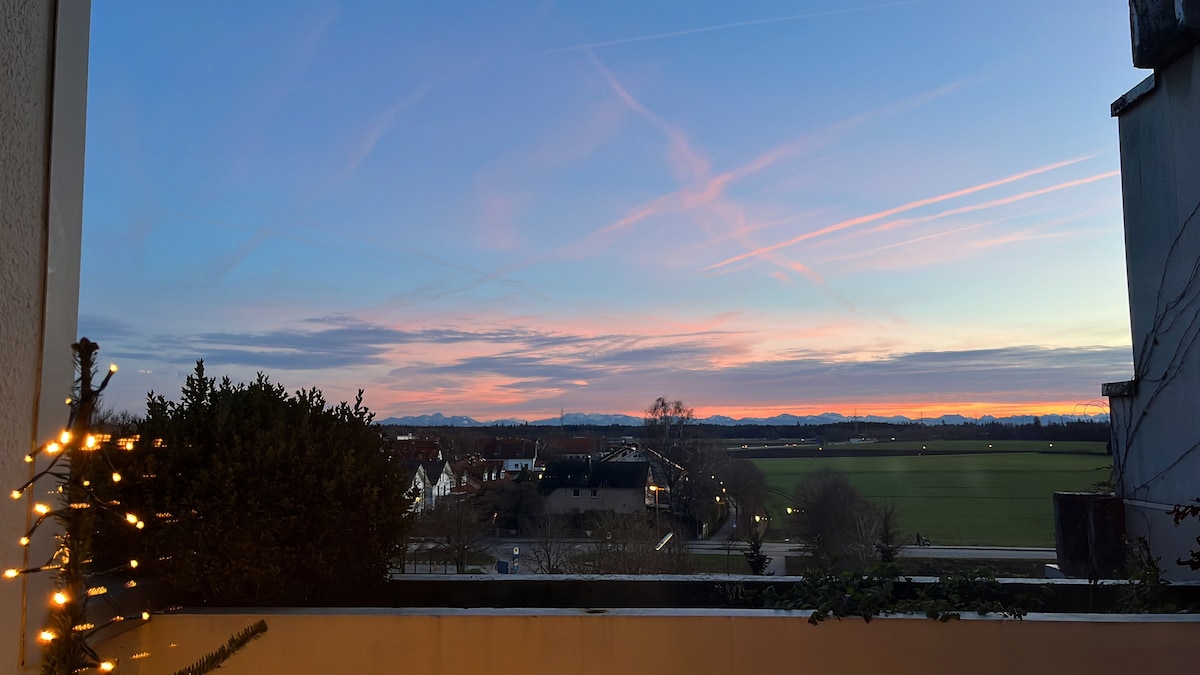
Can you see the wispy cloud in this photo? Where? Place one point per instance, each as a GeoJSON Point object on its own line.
{"type": "Point", "coordinates": [730, 26]}
{"type": "Point", "coordinates": [879, 215]}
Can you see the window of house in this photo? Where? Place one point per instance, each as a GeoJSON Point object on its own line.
{"type": "Point", "coordinates": [595, 494]}
{"type": "Point", "coordinates": [574, 493]}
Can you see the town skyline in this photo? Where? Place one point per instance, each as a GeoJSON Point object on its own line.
{"type": "Point", "coordinates": [905, 208]}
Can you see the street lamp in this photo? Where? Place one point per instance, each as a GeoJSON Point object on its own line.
{"type": "Point", "coordinates": [655, 489]}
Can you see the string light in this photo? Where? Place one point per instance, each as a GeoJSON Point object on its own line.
{"type": "Point", "coordinates": [24, 541]}
{"type": "Point", "coordinates": [53, 448]}
{"type": "Point", "coordinates": [41, 508]}
{"type": "Point", "coordinates": [116, 477]}
{"type": "Point", "coordinates": [112, 367]}
{"type": "Point", "coordinates": [130, 518]}
{"type": "Point", "coordinates": [28, 459]}
{"type": "Point", "coordinates": [96, 590]}
{"type": "Point", "coordinates": [145, 617]}
{"type": "Point", "coordinates": [60, 598]}
{"type": "Point", "coordinates": [11, 573]}
{"type": "Point", "coordinates": [140, 655]}
{"type": "Point", "coordinates": [69, 400]}
{"type": "Point", "coordinates": [133, 564]}
{"type": "Point", "coordinates": [46, 636]}
{"type": "Point", "coordinates": [107, 666]}
{"type": "Point", "coordinates": [89, 441]}
{"type": "Point", "coordinates": [83, 626]}
{"type": "Point", "coordinates": [131, 584]}
{"type": "Point", "coordinates": [140, 525]}
{"type": "Point", "coordinates": [64, 437]}
{"type": "Point", "coordinates": [15, 494]}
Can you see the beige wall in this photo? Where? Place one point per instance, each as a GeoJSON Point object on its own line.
{"type": "Point", "coordinates": [684, 641]}
{"type": "Point", "coordinates": [43, 93]}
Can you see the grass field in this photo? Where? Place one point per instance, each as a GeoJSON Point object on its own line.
{"type": "Point", "coordinates": [999, 499]}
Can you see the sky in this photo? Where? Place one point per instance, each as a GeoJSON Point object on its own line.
{"type": "Point", "coordinates": [504, 210]}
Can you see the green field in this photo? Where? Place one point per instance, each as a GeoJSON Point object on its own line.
{"type": "Point", "coordinates": [1000, 499]}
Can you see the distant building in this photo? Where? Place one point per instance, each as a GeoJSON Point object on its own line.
{"type": "Point", "coordinates": [473, 474]}
{"type": "Point", "coordinates": [573, 486]}
{"type": "Point", "coordinates": [514, 453]}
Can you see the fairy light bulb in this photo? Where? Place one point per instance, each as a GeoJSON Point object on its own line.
{"type": "Point", "coordinates": [140, 524]}
{"type": "Point", "coordinates": [133, 564]}
{"type": "Point", "coordinates": [46, 636]}
{"type": "Point", "coordinates": [116, 477]}
{"type": "Point", "coordinates": [64, 437]}
{"type": "Point", "coordinates": [24, 541]}
{"type": "Point", "coordinates": [130, 518]}
{"type": "Point", "coordinates": [41, 508]}
{"type": "Point", "coordinates": [107, 666]}
{"type": "Point", "coordinates": [15, 494]}
{"type": "Point", "coordinates": [145, 616]}
{"type": "Point", "coordinates": [53, 448]}
{"type": "Point", "coordinates": [69, 400]}
{"type": "Point", "coordinates": [90, 441]}
{"type": "Point", "coordinates": [60, 598]}
{"type": "Point", "coordinates": [28, 459]}
{"type": "Point", "coordinates": [112, 367]}
{"type": "Point", "coordinates": [11, 573]}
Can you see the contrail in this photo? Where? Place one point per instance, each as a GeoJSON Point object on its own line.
{"type": "Point", "coordinates": [726, 26]}
{"type": "Point", "coordinates": [893, 211]}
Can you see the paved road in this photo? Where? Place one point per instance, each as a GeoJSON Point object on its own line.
{"type": "Point", "coordinates": [966, 552]}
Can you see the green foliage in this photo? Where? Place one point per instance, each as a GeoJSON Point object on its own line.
{"type": "Point", "coordinates": [212, 661]}
{"type": "Point", "coordinates": [881, 591]}
{"type": "Point", "coordinates": [266, 498]}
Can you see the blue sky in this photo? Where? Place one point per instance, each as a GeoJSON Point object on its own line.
{"type": "Point", "coordinates": [504, 209]}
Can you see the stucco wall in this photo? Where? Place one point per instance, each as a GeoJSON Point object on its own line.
{"type": "Point", "coordinates": [43, 92]}
{"type": "Point", "coordinates": [24, 153]}
{"type": "Point", "coordinates": [1157, 430]}
{"type": "Point", "coordinates": [607, 499]}
{"type": "Point", "coordinates": [661, 642]}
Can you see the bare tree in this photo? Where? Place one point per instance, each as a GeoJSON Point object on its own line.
{"type": "Point", "coordinates": [550, 550]}
{"type": "Point", "coordinates": [463, 527]}
{"type": "Point", "coordinates": [630, 544]}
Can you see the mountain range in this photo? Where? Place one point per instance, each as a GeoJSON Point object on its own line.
{"type": "Point", "coordinates": [603, 420]}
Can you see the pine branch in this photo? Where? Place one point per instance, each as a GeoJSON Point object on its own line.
{"type": "Point", "coordinates": [214, 660]}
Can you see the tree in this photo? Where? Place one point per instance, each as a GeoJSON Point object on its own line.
{"type": "Point", "coordinates": [843, 529]}
{"type": "Point", "coordinates": [269, 498]}
{"type": "Point", "coordinates": [664, 428]}
{"type": "Point", "coordinates": [515, 503]}
{"type": "Point", "coordinates": [462, 526]}
{"type": "Point", "coordinates": [550, 551]}
{"type": "Point", "coordinates": [630, 544]}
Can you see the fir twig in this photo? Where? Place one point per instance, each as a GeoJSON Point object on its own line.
{"type": "Point", "coordinates": [214, 660]}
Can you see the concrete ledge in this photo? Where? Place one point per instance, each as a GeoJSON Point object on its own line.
{"type": "Point", "coordinates": [1127, 101]}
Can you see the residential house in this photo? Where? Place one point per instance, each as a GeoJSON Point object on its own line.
{"type": "Point", "coordinates": [418, 485]}
{"type": "Point", "coordinates": [573, 486]}
{"type": "Point", "coordinates": [515, 453]}
{"type": "Point", "coordinates": [473, 474]}
{"type": "Point", "coordinates": [441, 480]}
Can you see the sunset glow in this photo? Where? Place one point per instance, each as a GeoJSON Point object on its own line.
{"type": "Point", "coordinates": [507, 210]}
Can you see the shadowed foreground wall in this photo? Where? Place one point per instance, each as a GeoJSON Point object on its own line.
{"type": "Point", "coordinates": [495, 642]}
